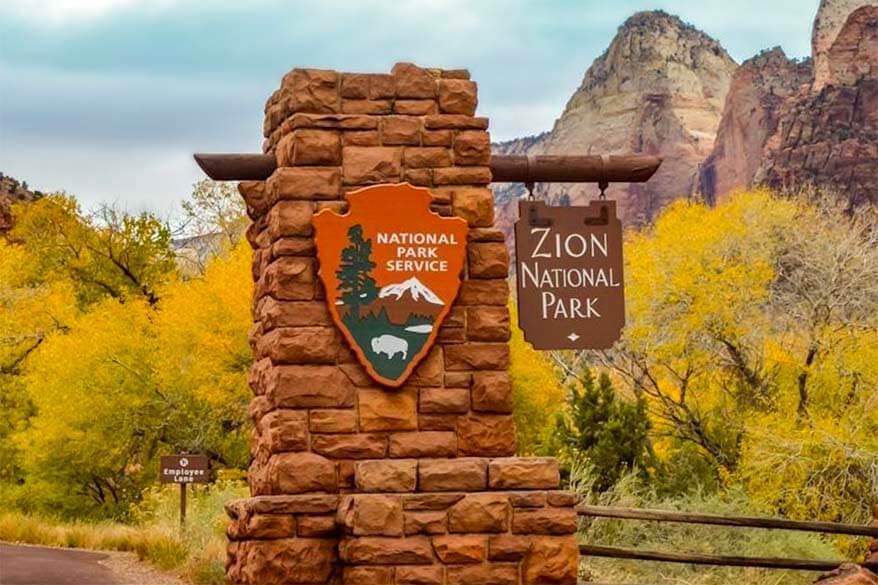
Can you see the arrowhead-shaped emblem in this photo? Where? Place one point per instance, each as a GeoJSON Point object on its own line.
{"type": "Point", "coordinates": [391, 269]}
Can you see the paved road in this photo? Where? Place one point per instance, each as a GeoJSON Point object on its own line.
{"type": "Point", "coordinates": [35, 565]}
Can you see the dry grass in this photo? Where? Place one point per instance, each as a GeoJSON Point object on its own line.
{"type": "Point", "coordinates": [153, 544]}
{"type": "Point", "coordinates": [196, 555]}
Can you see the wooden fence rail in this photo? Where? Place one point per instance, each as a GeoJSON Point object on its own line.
{"type": "Point", "coordinates": [728, 561]}
{"type": "Point", "coordinates": [717, 520]}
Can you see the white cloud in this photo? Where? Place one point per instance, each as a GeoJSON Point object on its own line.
{"type": "Point", "coordinates": [137, 100]}
{"type": "Point", "coordinates": [138, 179]}
{"type": "Point", "coordinates": [59, 12]}
{"type": "Point", "coordinates": [517, 120]}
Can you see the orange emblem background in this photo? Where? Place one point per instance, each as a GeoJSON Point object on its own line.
{"type": "Point", "coordinates": [391, 268]}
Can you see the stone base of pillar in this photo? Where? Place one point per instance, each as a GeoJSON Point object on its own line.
{"type": "Point", "coordinates": [520, 534]}
{"type": "Point", "coordinates": [276, 540]}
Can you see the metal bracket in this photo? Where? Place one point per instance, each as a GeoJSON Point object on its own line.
{"type": "Point", "coordinates": [602, 219]}
{"type": "Point", "coordinates": [534, 220]}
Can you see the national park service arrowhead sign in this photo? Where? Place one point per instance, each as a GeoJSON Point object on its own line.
{"type": "Point", "coordinates": [391, 268]}
{"type": "Point", "coordinates": [569, 275]}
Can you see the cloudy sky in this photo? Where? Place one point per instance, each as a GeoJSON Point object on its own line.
{"type": "Point", "coordinates": [107, 99]}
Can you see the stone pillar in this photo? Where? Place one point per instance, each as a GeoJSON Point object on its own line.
{"type": "Point", "coordinates": [352, 482]}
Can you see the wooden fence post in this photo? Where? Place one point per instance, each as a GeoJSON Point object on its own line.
{"type": "Point", "coordinates": [873, 544]}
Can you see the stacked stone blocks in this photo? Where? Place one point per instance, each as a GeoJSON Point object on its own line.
{"type": "Point", "coordinates": [353, 481]}
{"type": "Point", "coordinates": [436, 523]}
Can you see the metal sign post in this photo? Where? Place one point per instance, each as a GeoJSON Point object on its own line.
{"type": "Point", "coordinates": [184, 469]}
{"type": "Point", "coordinates": [182, 505]}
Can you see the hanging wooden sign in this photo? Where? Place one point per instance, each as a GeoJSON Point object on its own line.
{"type": "Point", "coordinates": [391, 268]}
{"type": "Point", "coordinates": [569, 275]}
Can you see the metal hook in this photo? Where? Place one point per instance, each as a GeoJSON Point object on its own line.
{"type": "Point", "coordinates": [528, 184]}
{"type": "Point", "coordinates": [603, 183]}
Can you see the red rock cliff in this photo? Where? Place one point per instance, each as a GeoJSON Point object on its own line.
{"type": "Point", "coordinates": [828, 138]}
{"type": "Point", "coordinates": [751, 116]}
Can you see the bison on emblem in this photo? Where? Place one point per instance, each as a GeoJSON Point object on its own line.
{"type": "Point", "coordinates": [390, 345]}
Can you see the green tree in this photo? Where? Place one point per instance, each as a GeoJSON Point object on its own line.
{"type": "Point", "coordinates": [537, 393]}
{"type": "Point", "coordinates": [356, 285]}
{"type": "Point", "coordinates": [602, 428]}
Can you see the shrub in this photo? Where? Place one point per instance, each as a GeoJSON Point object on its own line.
{"type": "Point", "coordinates": [601, 427]}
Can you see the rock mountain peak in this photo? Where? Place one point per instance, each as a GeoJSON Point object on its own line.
{"type": "Point", "coordinates": [659, 88]}
{"type": "Point", "coordinates": [12, 191]}
{"type": "Point", "coordinates": [831, 18]}
{"type": "Point", "coordinates": [659, 20]}
{"type": "Point", "coordinates": [663, 87]}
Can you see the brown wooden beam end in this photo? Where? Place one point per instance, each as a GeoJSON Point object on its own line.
{"type": "Point", "coordinates": [237, 167]}
{"type": "Point", "coordinates": [504, 168]}
{"type": "Point", "coordinates": [716, 560]}
{"type": "Point", "coordinates": [717, 520]}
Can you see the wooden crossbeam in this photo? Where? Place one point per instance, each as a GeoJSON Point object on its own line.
{"type": "Point", "coordinates": [573, 168]}
{"type": "Point", "coordinates": [504, 168]}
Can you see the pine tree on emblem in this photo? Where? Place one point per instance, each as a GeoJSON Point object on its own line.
{"type": "Point", "coordinates": [355, 283]}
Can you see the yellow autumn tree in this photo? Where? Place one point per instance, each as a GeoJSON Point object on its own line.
{"type": "Point", "coordinates": [31, 308]}
{"type": "Point", "coordinates": [816, 454]}
{"type": "Point", "coordinates": [99, 415]}
{"type": "Point", "coordinates": [537, 392]}
{"type": "Point", "coordinates": [201, 332]}
{"type": "Point", "coordinates": [697, 284]}
{"type": "Point", "coordinates": [113, 357]}
{"type": "Point", "coordinates": [129, 381]}
{"type": "Point", "coordinates": [752, 334]}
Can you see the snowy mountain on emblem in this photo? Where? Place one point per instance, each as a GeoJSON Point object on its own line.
{"type": "Point", "coordinates": [412, 287]}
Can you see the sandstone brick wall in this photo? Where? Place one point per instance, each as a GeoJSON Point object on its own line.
{"type": "Point", "coordinates": [352, 481]}
{"type": "Point", "coordinates": [488, 538]}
